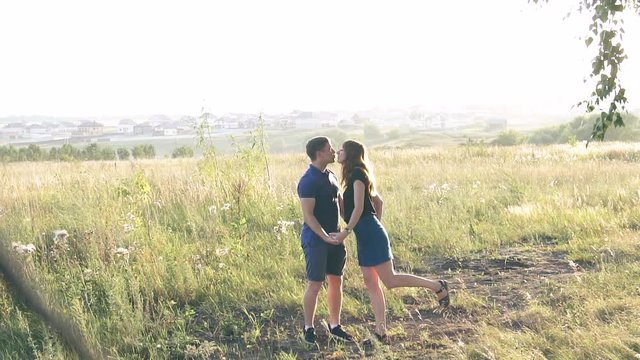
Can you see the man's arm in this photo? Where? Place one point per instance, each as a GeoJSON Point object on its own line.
{"type": "Point", "coordinates": [378, 205]}
{"type": "Point", "coordinates": [308, 205]}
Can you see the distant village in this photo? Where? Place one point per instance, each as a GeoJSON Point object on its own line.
{"type": "Point", "coordinates": [164, 126]}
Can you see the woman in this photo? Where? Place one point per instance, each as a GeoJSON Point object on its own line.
{"type": "Point", "coordinates": [362, 208]}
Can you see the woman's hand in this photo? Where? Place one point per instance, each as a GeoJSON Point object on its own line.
{"type": "Point", "coordinates": [339, 236]}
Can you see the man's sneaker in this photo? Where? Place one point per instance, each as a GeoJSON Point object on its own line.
{"type": "Point", "coordinates": [338, 333]}
{"type": "Point", "coordinates": [309, 336]}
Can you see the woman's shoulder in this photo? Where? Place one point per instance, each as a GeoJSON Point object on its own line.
{"type": "Point", "coordinates": [359, 173]}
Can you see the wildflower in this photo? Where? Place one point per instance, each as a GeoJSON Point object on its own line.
{"type": "Point", "coordinates": [553, 183]}
{"type": "Point", "coordinates": [23, 249]}
{"type": "Point", "coordinates": [128, 227]}
{"type": "Point", "coordinates": [445, 186]}
{"type": "Point", "coordinates": [221, 265]}
{"type": "Point", "coordinates": [59, 235]}
{"type": "Point", "coordinates": [282, 226]}
{"type": "Point", "coordinates": [121, 251]}
{"type": "Point", "coordinates": [213, 210]}
{"type": "Point", "coordinates": [476, 184]}
{"type": "Point", "coordinates": [131, 217]}
{"type": "Point", "coordinates": [226, 207]}
{"type": "Point", "coordinates": [222, 252]}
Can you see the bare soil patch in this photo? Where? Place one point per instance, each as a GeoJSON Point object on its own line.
{"type": "Point", "coordinates": [501, 282]}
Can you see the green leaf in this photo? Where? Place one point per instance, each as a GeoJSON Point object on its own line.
{"type": "Point", "coordinates": [588, 41]}
{"type": "Point", "coordinates": [619, 122]}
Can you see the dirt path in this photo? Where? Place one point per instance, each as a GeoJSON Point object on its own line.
{"type": "Point", "coordinates": [501, 283]}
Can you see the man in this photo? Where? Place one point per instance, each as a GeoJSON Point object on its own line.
{"type": "Point", "coordinates": [325, 256]}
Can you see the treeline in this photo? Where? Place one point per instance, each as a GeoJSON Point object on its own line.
{"type": "Point", "coordinates": [577, 130]}
{"type": "Point", "coordinates": [92, 151]}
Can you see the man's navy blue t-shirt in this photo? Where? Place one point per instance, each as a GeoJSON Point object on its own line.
{"type": "Point", "coordinates": [322, 186]}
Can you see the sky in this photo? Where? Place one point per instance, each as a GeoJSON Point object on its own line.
{"type": "Point", "coordinates": [119, 58]}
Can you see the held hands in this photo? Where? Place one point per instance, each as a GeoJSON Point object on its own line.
{"type": "Point", "coordinates": [338, 237]}
{"type": "Point", "coordinates": [331, 239]}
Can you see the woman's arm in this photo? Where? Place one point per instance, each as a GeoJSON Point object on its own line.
{"type": "Point", "coordinates": [341, 205]}
{"type": "Point", "coordinates": [358, 203]}
{"type": "Point", "coordinates": [378, 205]}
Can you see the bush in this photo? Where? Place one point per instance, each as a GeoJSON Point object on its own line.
{"type": "Point", "coordinates": [182, 152]}
{"type": "Point", "coordinates": [143, 152]}
{"type": "Point", "coordinates": [371, 131]}
{"type": "Point", "coordinates": [508, 138]}
{"type": "Point", "coordinates": [107, 153]}
{"type": "Point", "coordinates": [123, 154]}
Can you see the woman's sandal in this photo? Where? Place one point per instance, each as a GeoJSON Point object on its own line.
{"type": "Point", "coordinates": [444, 302]}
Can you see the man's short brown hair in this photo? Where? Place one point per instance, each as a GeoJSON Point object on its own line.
{"type": "Point", "coordinates": [316, 144]}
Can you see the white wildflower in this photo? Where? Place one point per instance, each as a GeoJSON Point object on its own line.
{"type": "Point", "coordinates": [226, 207]}
{"type": "Point", "coordinates": [283, 225]}
{"type": "Point", "coordinates": [476, 184]}
{"type": "Point", "coordinates": [553, 183]}
{"type": "Point", "coordinates": [128, 227]}
{"type": "Point", "coordinates": [445, 186]}
{"type": "Point", "coordinates": [213, 210]}
{"type": "Point", "coordinates": [433, 186]}
{"type": "Point", "coordinates": [222, 251]}
{"type": "Point", "coordinates": [23, 249]}
{"type": "Point", "coordinates": [131, 217]}
{"type": "Point", "coordinates": [221, 265]}
{"type": "Point", "coordinates": [59, 235]}
{"type": "Point", "coordinates": [121, 251]}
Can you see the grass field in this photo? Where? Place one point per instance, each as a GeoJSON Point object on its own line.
{"type": "Point", "coordinates": [196, 258]}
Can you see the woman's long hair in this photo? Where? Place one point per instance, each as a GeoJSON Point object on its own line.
{"type": "Point", "coordinates": [356, 157]}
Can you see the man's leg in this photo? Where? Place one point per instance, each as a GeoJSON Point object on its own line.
{"type": "Point", "coordinates": [316, 260]}
{"type": "Point", "coordinates": [334, 299]}
{"type": "Point", "coordinates": [310, 301]}
{"type": "Point", "coordinates": [335, 266]}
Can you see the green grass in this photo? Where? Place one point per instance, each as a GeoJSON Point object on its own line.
{"type": "Point", "coordinates": [205, 282]}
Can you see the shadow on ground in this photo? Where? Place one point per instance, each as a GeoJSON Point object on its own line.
{"type": "Point", "coordinates": [492, 285]}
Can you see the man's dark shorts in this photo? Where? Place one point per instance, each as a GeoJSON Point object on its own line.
{"type": "Point", "coordinates": [324, 259]}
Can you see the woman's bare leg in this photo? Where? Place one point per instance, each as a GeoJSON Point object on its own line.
{"type": "Point", "coordinates": [372, 282]}
{"type": "Point", "coordinates": [391, 279]}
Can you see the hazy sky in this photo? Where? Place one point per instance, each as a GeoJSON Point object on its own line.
{"type": "Point", "coordinates": [87, 58]}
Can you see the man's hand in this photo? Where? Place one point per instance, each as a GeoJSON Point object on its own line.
{"type": "Point", "coordinates": [339, 236]}
{"type": "Point", "coordinates": [332, 240]}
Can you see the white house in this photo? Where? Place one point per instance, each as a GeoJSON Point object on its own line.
{"type": "Point", "coordinates": [38, 129]}
{"type": "Point", "coordinates": [13, 131]}
{"type": "Point", "coordinates": [125, 126]}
